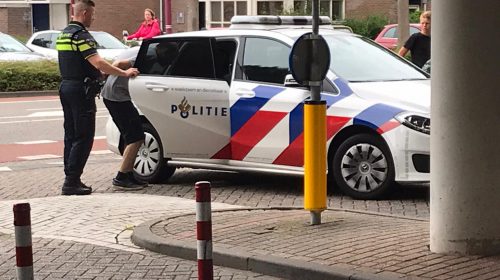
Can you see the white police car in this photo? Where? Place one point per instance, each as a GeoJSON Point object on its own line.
{"type": "Point", "coordinates": [224, 99]}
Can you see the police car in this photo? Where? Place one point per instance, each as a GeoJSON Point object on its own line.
{"type": "Point", "coordinates": [225, 100]}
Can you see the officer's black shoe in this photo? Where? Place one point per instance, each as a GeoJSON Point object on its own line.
{"type": "Point", "coordinates": [135, 180]}
{"type": "Point", "coordinates": [73, 186]}
{"type": "Point", "coordinates": [122, 182]}
{"type": "Point", "coordinates": [76, 190]}
{"type": "Point", "coordinates": [85, 186]}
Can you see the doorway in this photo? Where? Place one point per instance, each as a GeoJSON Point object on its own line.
{"type": "Point", "coordinates": [41, 18]}
{"type": "Point", "coordinates": [201, 15]}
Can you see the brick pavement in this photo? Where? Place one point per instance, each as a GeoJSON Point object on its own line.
{"type": "Point", "coordinates": [102, 221]}
{"type": "Point", "coordinates": [44, 178]}
{"type": "Point", "coordinates": [350, 242]}
{"type": "Point", "coordinates": [62, 259]}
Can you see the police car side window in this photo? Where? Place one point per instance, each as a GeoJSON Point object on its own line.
{"type": "Point", "coordinates": [265, 60]}
{"type": "Point", "coordinates": [157, 58]}
{"type": "Point", "coordinates": [183, 58]}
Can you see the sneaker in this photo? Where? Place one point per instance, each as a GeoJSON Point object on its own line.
{"type": "Point", "coordinates": [136, 181]}
{"type": "Point", "coordinates": [126, 184]}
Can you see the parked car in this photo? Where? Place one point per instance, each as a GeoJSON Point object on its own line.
{"type": "Point", "coordinates": [388, 37]}
{"type": "Point", "coordinates": [217, 99]}
{"type": "Point", "coordinates": [13, 50]}
{"type": "Point", "coordinates": [108, 46]}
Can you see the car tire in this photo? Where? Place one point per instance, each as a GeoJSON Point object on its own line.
{"type": "Point", "coordinates": [150, 165]}
{"type": "Point", "coordinates": [362, 167]}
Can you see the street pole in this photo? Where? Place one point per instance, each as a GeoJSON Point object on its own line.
{"type": "Point", "coordinates": [403, 23]}
{"type": "Point", "coordinates": [315, 132]}
{"type": "Point", "coordinates": [167, 11]}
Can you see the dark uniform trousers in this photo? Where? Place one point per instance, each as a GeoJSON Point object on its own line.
{"type": "Point", "coordinates": [79, 127]}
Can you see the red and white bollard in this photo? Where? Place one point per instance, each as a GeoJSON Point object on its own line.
{"type": "Point", "coordinates": [204, 231]}
{"type": "Point", "coordinates": [24, 252]}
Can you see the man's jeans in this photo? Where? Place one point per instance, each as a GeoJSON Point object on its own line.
{"type": "Point", "coordinates": [79, 128]}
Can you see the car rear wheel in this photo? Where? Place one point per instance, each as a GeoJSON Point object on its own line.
{"type": "Point", "coordinates": [362, 167]}
{"type": "Point", "coordinates": [150, 165]}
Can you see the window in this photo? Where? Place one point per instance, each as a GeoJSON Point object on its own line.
{"type": "Point", "coordinates": [185, 58]}
{"type": "Point", "coordinates": [269, 7]}
{"type": "Point", "coordinates": [241, 8]}
{"type": "Point", "coordinates": [224, 52]}
{"type": "Point", "coordinates": [414, 30]}
{"type": "Point", "coordinates": [358, 59]}
{"type": "Point", "coordinates": [331, 8]}
{"type": "Point", "coordinates": [337, 10]}
{"type": "Point", "coordinates": [216, 11]}
{"type": "Point", "coordinates": [324, 8]}
{"type": "Point", "coordinates": [222, 12]}
{"type": "Point", "coordinates": [265, 60]}
{"type": "Point", "coordinates": [228, 10]}
{"type": "Point", "coordinates": [391, 33]}
{"type": "Point", "coordinates": [43, 40]}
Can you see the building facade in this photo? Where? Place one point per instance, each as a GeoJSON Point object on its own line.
{"type": "Point", "coordinates": [23, 17]}
{"type": "Point", "coordinates": [218, 13]}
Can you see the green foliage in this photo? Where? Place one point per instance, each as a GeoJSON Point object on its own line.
{"type": "Point", "coordinates": [29, 75]}
{"type": "Point", "coordinates": [415, 16]}
{"type": "Point", "coordinates": [369, 26]}
{"type": "Point", "coordinates": [21, 38]}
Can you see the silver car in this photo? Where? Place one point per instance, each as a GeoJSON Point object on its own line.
{"type": "Point", "coordinates": [44, 42]}
{"type": "Point", "coordinates": [13, 50]}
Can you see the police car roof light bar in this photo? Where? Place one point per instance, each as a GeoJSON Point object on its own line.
{"type": "Point", "coordinates": [279, 20]}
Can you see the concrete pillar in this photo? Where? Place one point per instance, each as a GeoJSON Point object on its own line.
{"type": "Point", "coordinates": [465, 137]}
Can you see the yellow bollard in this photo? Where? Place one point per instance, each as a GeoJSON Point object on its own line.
{"type": "Point", "coordinates": [315, 158]}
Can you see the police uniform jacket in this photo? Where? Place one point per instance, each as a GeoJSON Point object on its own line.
{"type": "Point", "coordinates": [75, 45]}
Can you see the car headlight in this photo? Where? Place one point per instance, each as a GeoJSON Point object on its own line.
{"type": "Point", "coordinates": [415, 121]}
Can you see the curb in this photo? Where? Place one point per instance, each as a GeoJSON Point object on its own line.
{"type": "Point", "coordinates": [29, 93]}
{"type": "Point", "coordinates": [238, 258]}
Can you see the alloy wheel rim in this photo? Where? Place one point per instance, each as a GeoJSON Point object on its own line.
{"type": "Point", "coordinates": [364, 167]}
{"type": "Point", "coordinates": [148, 156]}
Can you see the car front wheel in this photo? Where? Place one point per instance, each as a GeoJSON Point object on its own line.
{"type": "Point", "coordinates": [150, 165]}
{"type": "Point", "coordinates": [362, 167]}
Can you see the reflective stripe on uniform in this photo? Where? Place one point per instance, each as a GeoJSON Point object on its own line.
{"type": "Point", "coordinates": [65, 47]}
{"type": "Point", "coordinates": [84, 47]}
{"type": "Point", "coordinates": [72, 45]}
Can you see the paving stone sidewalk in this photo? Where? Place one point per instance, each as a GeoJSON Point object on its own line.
{"type": "Point", "coordinates": [347, 245]}
{"type": "Point", "coordinates": [56, 259]}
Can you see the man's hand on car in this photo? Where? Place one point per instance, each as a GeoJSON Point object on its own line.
{"type": "Point", "coordinates": [131, 72]}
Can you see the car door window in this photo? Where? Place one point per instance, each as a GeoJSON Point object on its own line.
{"type": "Point", "coordinates": [265, 60]}
{"type": "Point", "coordinates": [391, 33]}
{"type": "Point", "coordinates": [224, 52]}
{"type": "Point", "coordinates": [183, 58]}
{"type": "Point", "coordinates": [414, 30]}
{"type": "Point", "coordinates": [193, 60]}
{"type": "Point", "coordinates": [43, 40]}
{"type": "Point", "coordinates": [53, 40]}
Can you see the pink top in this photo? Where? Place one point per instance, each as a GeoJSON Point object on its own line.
{"type": "Point", "coordinates": [146, 30]}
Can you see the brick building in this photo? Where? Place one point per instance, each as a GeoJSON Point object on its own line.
{"type": "Point", "coordinates": [22, 17]}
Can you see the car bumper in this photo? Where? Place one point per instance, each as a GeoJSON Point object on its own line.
{"type": "Point", "coordinates": [113, 137]}
{"type": "Point", "coordinates": [411, 154]}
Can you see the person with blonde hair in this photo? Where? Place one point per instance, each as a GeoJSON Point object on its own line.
{"type": "Point", "coordinates": [419, 44]}
{"type": "Point", "coordinates": [148, 28]}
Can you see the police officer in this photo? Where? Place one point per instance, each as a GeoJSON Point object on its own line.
{"type": "Point", "coordinates": [81, 68]}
